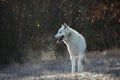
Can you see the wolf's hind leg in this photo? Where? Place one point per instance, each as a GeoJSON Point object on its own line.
{"type": "Point", "coordinates": [81, 64]}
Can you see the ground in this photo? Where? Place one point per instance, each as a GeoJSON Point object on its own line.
{"type": "Point", "coordinates": [99, 66]}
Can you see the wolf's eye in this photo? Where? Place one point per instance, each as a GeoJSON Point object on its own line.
{"type": "Point", "coordinates": [60, 32]}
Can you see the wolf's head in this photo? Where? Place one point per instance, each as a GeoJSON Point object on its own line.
{"type": "Point", "coordinates": [62, 32]}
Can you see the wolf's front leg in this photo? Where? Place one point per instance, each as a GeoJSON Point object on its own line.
{"type": "Point", "coordinates": [73, 65]}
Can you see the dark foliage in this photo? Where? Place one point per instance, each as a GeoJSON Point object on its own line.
{"type": "Point", "coordinates": [31, 24]}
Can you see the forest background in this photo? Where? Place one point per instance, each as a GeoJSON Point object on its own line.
{"type": "Point", "coordinates": [27, 27]}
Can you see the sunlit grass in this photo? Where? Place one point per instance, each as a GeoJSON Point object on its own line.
{"type": "Point", "coordinates": [69, 76]}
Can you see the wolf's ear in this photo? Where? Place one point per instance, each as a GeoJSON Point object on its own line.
{"type": "Point", "coordinates": [62, 25]}
{"type": "Point", "coordinates": [65, 25]}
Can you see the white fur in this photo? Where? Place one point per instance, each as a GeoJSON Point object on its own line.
{"type": "Point", "coordinates": [76, 46]}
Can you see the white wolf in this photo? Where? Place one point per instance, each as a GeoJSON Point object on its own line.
{"type": "Point", "coordinates": [76, 45]}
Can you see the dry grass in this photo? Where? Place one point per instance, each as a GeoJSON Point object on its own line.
{"type": "Point", "coordinates": [99, 66]}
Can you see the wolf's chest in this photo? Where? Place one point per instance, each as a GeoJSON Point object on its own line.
{"type": "Point", "coordinates": [73, 50]}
